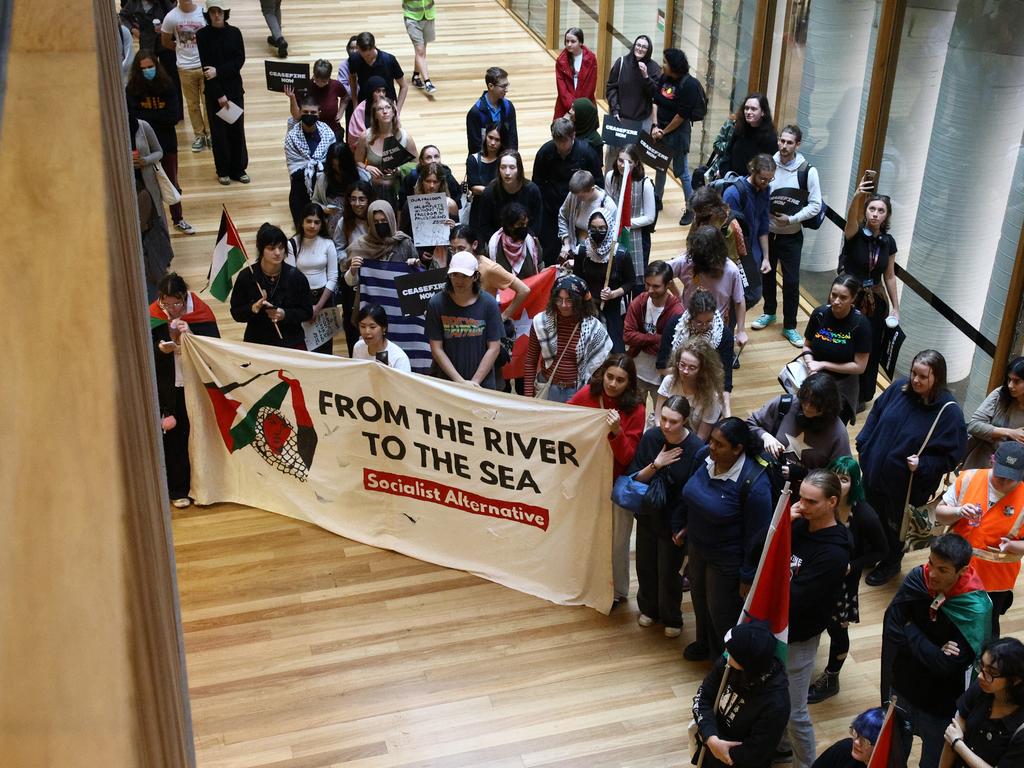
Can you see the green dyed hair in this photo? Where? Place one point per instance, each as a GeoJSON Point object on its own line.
{"type": "Point", "coordinates": [847, 465]}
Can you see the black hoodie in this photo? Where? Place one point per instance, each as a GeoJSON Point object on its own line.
{"type": "Point", "coordinates": [817, 568]}
{"type": "Point", "coordinates": [754, 713]}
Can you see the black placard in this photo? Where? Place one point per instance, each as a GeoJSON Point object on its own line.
{"type": "Point", "coordinates": [394, 155]}
{"type": "Point", "coordinates": [656, 154]}
{"type": "Point", "coordinates": [416, 288]}
{"type": "Point", "coordinates": [620, 133]}
{"type": "Point", "coordinates": [282, 73]}
{"type": "Point", "coordinates": [788, 200]}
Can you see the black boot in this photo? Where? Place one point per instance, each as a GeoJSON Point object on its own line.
{"type": "Point", "coordinates": [825, 687]}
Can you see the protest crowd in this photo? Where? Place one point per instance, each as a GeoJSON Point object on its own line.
{"type": "Point", "coordinates": [654, 344]}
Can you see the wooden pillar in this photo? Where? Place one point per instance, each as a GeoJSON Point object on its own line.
{"type": "Point", "coordinates": [605, 9]}
{"type": "Point", "coordinates": [761, 50]}
{"type": "Point", "coordinates": [1011, 311]}
{"type": "Point", "coordinates": [91, 658]}
{"type": "Point", "coordinates": [554, 36]}
{"type": "Point", "coordinates": [883, 75]}
{"type": "Point", "coordinates": [670, 19]}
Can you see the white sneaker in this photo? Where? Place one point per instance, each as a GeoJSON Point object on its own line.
{"type": "Point", "coordinates": [185, 227]}
{"type": "Point", "coordinates": [644, 621]}
{"type": "Point", "coordinates": [181, 503]}
{"type": "Point", "coordinates": [673, 631]}
{"type": "Point", "coordinates": [199, 144]}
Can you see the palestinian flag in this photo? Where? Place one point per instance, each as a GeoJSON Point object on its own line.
{"type": "Point", "coordinates": [274, 420]}
{"type": "Point", "coordinates": [768, 599]}
{"type": "Point", "coordinates": [198, 312]}
{"type": "Point", "coordinates": [887, 750]}
{"type": "Point", "coordinates": [228, 257]}
{"type": "Point", "coordinates": [625, 212]}
{"type": "Point", "coordinates": [536, 302]}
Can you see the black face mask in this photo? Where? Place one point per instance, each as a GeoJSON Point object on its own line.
{"type": "Point", "coordinates": [519, 233]}
{"type": "Point", "coordinates": [383, 229]}
{"type": "Point", "coordinates": [598, 235]}
{"type": "Point", "coordinates": [309, 119]}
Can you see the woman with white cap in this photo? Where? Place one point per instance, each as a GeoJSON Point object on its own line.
{"type": "Point", "coordinates": [464, 326]}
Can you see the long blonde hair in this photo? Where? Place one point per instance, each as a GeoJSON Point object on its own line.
{"type": "Point", "coordinates": [710, 382]}
{"type": "Point", "coordinates": [374, 130]}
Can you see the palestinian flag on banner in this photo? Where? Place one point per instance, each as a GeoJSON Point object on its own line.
{"type": "Point", "coordinates": [625, 212]}
{"type": "Point", "coordinates": [768, 599]}
{"type": "Point", "coordinates": [887, 752]}
{"type": "Point", "coordinates": [198, 312]}
{"type": "Point", "coordinates": [228, 257]}
{"type": "Point", "coordinates": [271, 415]}
{"type": "Point", "coordinates": [536, 302]}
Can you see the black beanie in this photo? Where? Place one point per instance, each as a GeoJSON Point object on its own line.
{"type": "Point", "coordinates": [752, 645]}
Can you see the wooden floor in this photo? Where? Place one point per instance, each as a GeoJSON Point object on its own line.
{"type": "Point", "coordinates": [305, 649]}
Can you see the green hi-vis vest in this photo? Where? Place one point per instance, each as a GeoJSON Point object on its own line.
{"type": "Point", "coordinates": [418, 9]}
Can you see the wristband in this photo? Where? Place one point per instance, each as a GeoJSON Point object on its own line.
{"type": "Point", "coordinates": [955, 741]}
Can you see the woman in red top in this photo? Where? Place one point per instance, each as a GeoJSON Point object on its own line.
{"type": "Point", "coordinates": [614, 388]}
{"type": "Point", "coordinates": [575, 72]}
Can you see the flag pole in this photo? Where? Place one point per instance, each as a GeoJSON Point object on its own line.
{"type": "Point", "coordinates": [627, 174]}
{"type": "Point", "coordinates": [885, 721]}
{"type": "Point", "coordinates": [718, 699]}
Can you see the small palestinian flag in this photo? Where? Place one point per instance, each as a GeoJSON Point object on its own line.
{"type": "Point", "coordinates": [274, 421]}
{"type": "Point", "coordinates": [887, 752]}
{"type": "Point", "coordinates": [197, 311]}
{"type": "Point", "coordinates": [768, 598]}
{"type": "Point", "coordinates": [228, 258]}
{"type": "Point", "coordinates": [625, 212]}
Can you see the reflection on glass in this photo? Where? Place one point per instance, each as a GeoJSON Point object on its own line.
{"type": "Point", "coordinates": [631, 18]}
{"type": "Point", "coordinates": [716, 36]}
{"type": "Point", "coordinates": [533, 13]}
{"type": "Point", "coordinates": [582, 14]}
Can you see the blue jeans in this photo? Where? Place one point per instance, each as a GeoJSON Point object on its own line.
{"type": "Point", "coordinates": [930, 728]}
{"type": "Point", "coordinates": [557, 394]}
{"type": "Point", "coordinates": [679, 142]}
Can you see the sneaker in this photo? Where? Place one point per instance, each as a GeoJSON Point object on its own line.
{"type": "Point", "coordinates": [644, 621]}
{"type": "Point", "coordinates": [763, 322]}
{"type": "Point", "coordinates": [282, 48]}
{"type": "Point", "coordinates": [686, 219]}
{"type": "Point", "coordinates": [225, 180]}
{"type": "Point", "coordinates": [736, 363]}
{"type": "Point", "coordinates": [696, 652]}
{"type": "Point", "coordinates": [182, 502]}
{"type": "Point", "coordinates": [429, 87]}
{"type": "Point", "coordinates": [686, 583]}
{"type": "Point", "coordinates": [199, 144]}
{"type": "Point", "coordinates": [416, 81]}
{"type": "Point", "coordinates": [673, 631]}
{"type": "Point", "coordinates": [793, 337]}
{"type": "Point", "coordinates": [185, 227]}
{"type": "Point", "coordinates": [271, 40]}
{"type": "Point", "coordinates": [244, 179]}
{"type": "Point", "coordinates": [825, 687]}
{"type": "Point", "coordinates": [209, 142]}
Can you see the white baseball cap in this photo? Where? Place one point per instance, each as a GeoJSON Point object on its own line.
{"type": "Point", "coordinates": [464, 263]}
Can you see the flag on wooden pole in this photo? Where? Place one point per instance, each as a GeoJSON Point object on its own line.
{"type": "Point", "coordinates": [768, 598]}
{"type": "Point", "coordinates": [887, 750]}
{"type": "Point", "coordinates": [228, 258]}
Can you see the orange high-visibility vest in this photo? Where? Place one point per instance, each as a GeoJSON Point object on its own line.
{"type": "Point", "coordinates": [997, 570]}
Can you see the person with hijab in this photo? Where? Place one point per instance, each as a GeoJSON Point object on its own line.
{"type": "Point", "coordinates": [608, 270]}
{"type": "Point", "coordinates": [383, 241]}
{"type": "Point", "coordinates": [584, 116]}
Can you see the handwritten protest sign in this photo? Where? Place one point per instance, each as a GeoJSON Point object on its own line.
{"type": "Point", "coordinates": [428, 214]}
{"type": "Point", "coordinates": [323, 329]}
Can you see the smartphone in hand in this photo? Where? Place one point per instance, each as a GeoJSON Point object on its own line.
{"type": "Point", "coordinates": [382, 357]}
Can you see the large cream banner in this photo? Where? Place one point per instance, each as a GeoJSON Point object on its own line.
{"type": "Point", "coordinates": [513, 490]}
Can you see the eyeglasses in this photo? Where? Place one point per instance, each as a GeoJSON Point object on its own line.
{"type": "Point", "coordinates": [988, 672]}
{"type": "Point", "coordinates": [172, 304]}
{"type": "Point", "coordinates": [563, 302]}
{"type": "Point", "coordinates": [687, 367]}
{"type": "Point", "coordinates": [858, 739]}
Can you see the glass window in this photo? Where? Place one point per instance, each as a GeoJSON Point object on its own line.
{"type": "Point", "coordinates": [533, 13]}
{"type": "Point", "coordinates": [632, 18]}
{"type": "Point", "coordinates": [716, 36]}
{"type": "Point", "coordinates": [582, 14]}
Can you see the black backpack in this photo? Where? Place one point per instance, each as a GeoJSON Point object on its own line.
{"type": "Point", "coordinates": [700, 111]}
{"type": "Point", "coordinates": [801, 176]}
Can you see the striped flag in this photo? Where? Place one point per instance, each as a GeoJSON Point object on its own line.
{"type": "Point", "coordinates": [377, 286]}
{"type": "Point", "coordinates": [768, 599]}
{"type": "Point", "coordinates": [536, 302]}
{"type": "Point", "coordinates": [228, 258]}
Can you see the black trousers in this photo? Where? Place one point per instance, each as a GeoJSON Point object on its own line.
{"type": "Point", "coordinates": [298, 198]}
{"type": "Point", "coordinates": [658, 561]}
{"type": "Point", "coordinates": [230, 155]}
{"type": "Point", "coordinates": [868, 379]}
{"type": "Point", "coordinates": [890, 513]}
{"type": "Point", "coordinates": [784, 251]}
{"type": "Point", "coordinates": [715, 591]}
{"type": "Point", "coordinates": [179, 470]}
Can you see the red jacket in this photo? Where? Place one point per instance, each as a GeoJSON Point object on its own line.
{"type": "Point", "coordinates": [586, 83]}
{"type": "Point", "coordinates": [631, 427]}
{"type": "Point", "coordinates": [633, 334]}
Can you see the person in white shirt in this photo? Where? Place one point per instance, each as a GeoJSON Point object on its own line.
{"type": "Point", "coordinates": [178, 34]}
{"type": "Point", "coordinates": [313, 253]}
{"type": "Point", "coordinates": [373, 343]}
{"type": "Point", "coordinates": [796, 198]}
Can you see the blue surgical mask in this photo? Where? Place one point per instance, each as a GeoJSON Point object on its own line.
{"type": "Point", "coordinates": [149, 73]}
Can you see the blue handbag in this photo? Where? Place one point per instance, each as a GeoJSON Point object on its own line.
{"type": "Point", "coordinates": [628, 493]}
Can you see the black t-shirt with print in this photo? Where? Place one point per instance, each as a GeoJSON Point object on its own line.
{"type": "Point", "coordinates": [837, 341]}
{"type": "Point", "coordinates": [464, 332]}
